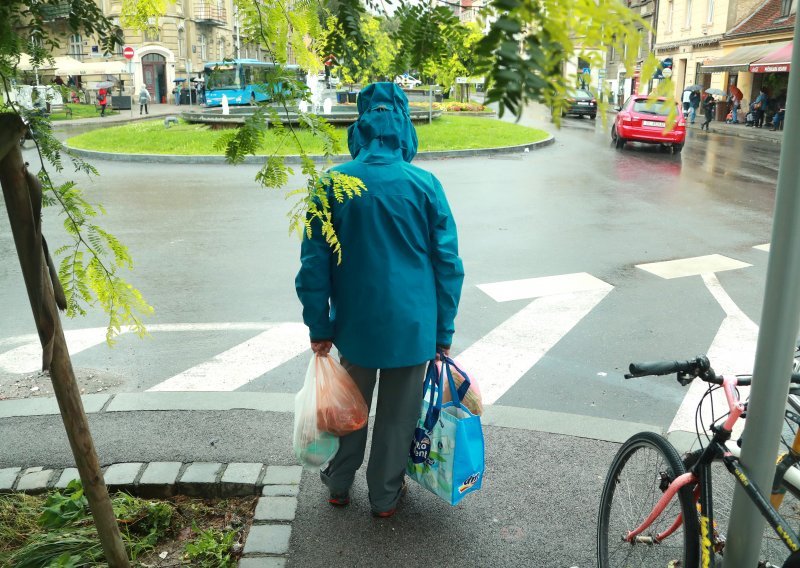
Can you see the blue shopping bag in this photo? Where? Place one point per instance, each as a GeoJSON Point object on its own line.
{"type": "Point", "coordinates": [446, 455]}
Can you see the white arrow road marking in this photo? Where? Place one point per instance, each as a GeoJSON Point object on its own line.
{"type": "Point", "coordinates": [543, 286]}
{"type": "Point", "coordinates": [501, 357]}
{"type": "Point", "coordinates": [733, 351]}
{"type": "Point", "coordinates": [241, 364]}
{"type": "Point", "coordinates": [692, 266]}
{"type": "Point", "coordinates": [765, 247]}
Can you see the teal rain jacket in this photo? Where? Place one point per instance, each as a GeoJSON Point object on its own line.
{"type": "Point", "coordinates": [395, 295]}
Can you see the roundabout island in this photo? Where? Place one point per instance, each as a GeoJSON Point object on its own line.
{"type": "Point", "coordinates": [163, 141]}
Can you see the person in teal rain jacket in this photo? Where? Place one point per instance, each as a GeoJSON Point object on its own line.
{"type": "Point", "coordinates": [393, 299]}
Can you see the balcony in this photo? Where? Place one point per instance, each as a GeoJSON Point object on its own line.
{"type": "Point", "coordinates": [210, 13]}
{"type": "Point", "coordinates": [52, 12]}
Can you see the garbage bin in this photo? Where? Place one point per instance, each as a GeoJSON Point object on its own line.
{"type": "Point", "coordinates": [352, 96]}
{"type": "Point", "coordinates": [341, 97]}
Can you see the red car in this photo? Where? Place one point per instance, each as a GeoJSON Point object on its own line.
{"type": "Point", "coordinates": [642, 121]}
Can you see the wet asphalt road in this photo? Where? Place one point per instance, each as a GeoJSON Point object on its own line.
{"type": "Point", "coordinates": [210, 246]}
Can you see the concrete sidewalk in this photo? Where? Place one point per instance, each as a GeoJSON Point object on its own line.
{"type": "Point", "coordinates": [537, 507]}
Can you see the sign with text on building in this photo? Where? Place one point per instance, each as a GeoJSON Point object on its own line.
{"type": "Point", "coordinates": [461, 80]}
{"type": "Point", "coordinates": [128, 52]}
{"type": "Point", "coordinates": [781, 68]}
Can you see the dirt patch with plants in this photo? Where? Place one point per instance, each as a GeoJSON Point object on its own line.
{"type": "Point", "coordinates": [55, 530]}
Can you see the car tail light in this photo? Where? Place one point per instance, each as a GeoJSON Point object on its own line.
{"type": "Point", "coordinates": [594, 101]}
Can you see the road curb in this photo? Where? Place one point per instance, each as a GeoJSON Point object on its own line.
{"type": "Point", "coordinates": [278, 487]}
{"type": "Point", "coordinates": [496, 416]}
{"type": "Point", "coordinates": [294, 160]}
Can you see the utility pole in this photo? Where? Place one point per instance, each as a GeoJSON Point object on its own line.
{"type": "Point", "coordinates": [776, 341]}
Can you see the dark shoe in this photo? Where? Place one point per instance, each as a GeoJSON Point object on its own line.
{"type": "Point", "coordinates": [339, 499]}
{"type": "Point", "coordinates": [393, 510]}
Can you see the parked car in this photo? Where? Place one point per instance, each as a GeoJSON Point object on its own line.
{"type": "Point", "coordinates": [407, 81]}
{"type": "Point", "coordinates": [580, 102]}
{"type": "Point", "coordinates": [641, 120]}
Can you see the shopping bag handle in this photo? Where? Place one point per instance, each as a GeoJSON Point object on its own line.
{"type": "Point", "coordinates": [462, 390]}
{"type": "Point", "coordinates": [433, 384]}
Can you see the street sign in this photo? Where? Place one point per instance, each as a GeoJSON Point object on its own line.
{"type": "Point", "coordinates": [461, 80]}
{"type": "Point", "coordinates": [586, 71]}
{"type": "Point", "coordinates": [128, 52]}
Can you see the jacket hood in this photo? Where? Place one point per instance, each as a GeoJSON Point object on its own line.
{"type": "Point", "coordinates": [384, 127]}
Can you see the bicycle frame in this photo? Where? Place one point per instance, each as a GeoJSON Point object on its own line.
{"type": "Point", "coordinates": [699, 476]}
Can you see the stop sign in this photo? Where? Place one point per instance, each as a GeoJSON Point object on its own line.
{"type": "Point", "coordinates": [128, 52]}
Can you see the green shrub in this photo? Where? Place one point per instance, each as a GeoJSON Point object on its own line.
{"type": "Point", "coordinates": [212, 549]}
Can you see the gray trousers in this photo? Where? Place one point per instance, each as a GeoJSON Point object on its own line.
{"type": "Point", "coordinates": [399, 404]}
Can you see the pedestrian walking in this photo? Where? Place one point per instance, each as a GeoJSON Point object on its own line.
{"type": "Point", "coordinates": [694, 104]}
{"type": "Point", "coordinates": [687, 96]}
{"type": "Point", "coordinates": [102, 100]}
{"type": "Point", "coordinates": [708, 109]}
{"type": "Point", "coordinates": [393, 298]}
{"type": "Point", "coordinates": [760, 105]}
{"type": "Point", "coordinates": [144, 99]}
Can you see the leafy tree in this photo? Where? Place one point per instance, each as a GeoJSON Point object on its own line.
{"type": "Point", "coordinates": [462, 61]}
{"type": "Point", "coordinates": [530, 40]}
{"type": "Point", "coordinates": [375, 65]}
{"type": "Point", "coordinates": [90, 265]}
{"type": "Point", "coordinates": [425, 37]}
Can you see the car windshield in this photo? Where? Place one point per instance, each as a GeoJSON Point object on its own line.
{"type": "Point", "coordinates": [659, 108]}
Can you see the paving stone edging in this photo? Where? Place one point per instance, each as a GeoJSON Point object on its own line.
{"type": "Point", "coordinates": [294, 160]}
{"type": "Point", "coordinates": [267, 542]}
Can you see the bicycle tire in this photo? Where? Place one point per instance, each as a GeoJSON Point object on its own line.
{"type": "Point", "coordinates": [654, 455]}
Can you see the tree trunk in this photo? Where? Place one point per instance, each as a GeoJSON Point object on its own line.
{"type": "Point", "coordinates": [23, 197]}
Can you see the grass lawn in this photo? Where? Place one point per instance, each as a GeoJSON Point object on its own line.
{"type": "Point", "coordinates": [79, 111]}
{"type": "Point", "coordinates": [446, 133]}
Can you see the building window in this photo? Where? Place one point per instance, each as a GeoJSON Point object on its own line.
{"type": "Point", "coordinates": [613, 54]}
{"type": "Point", "coordinates": [688, 23]}
{"type": "Point", "coordinates": [76, 46]}
{"type": "Point", "coordinates": [710, 11]}
{"type": "Point", "coordinates": [181, 43]}
{"type": "Point", "coordinates": [786, 7]}
{"type": "Point", "coordinates": [202, 41]}
{"type": "Point", "coordinates": [670, 14]}
{"type": "Point", "coordinates": [221, 44]}
{"type": "Point", "coordinates": [152, 34]}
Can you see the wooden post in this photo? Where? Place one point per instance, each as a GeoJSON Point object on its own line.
{"type": "Point", "coordinates": [23, 198]}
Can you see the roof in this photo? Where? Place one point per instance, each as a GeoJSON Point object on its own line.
{"type": "Point", "coordinates": [766, 18]}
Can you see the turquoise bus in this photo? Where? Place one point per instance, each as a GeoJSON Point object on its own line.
{"type": "Point", "coordinates": [240, 80]}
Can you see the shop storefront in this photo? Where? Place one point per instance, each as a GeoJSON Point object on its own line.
{"type": "Point", "coordinates": [734, 69]}
{"type": "Point", "coordinates": [771, 73]}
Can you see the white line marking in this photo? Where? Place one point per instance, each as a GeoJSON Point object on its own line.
{"type": "Point", "coordinates": [241, 364]}
{"type": "Point", "coordinates": [543, 286]}
{"type": "Point", "coordinates": [733, 351]}
{"type": "Point", "coordinates": [27, 358]}
{"type": "Point", "coordinates": [505, 354]}
{"type": "Point", "coordinates": [692, 266]}
{"type": "Point", "coordinates": [765, 247]}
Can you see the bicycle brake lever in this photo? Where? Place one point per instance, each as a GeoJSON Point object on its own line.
{"type": "Point", "coordinates": [684, 378]}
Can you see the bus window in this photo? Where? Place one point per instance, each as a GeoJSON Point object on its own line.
{"type": "Point", "coordinates": [222, 77]}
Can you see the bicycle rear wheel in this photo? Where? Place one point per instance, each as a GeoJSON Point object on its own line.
{"type": "Point", "coordinates": [640, 473]}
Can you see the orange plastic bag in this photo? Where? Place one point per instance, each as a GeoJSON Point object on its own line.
{"type": "Point", "coordinates": [341, 409]}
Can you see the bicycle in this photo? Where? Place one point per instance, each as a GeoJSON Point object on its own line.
{"type": "Point", "coordinates": [654, 513]}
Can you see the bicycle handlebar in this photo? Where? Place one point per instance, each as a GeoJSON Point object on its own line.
{"type": "Point", "coordinates": [699, 367]}
{"type": "Point", "coordinates": [695, 367]}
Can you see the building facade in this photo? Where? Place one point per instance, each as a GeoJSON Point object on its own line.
{"type": "Point", "coordinates": [619, 81]}
{"type": "Point", "coordinates": [175, 46]}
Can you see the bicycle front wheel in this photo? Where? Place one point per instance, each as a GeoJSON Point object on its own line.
{"type": "Point", "coordinates": [640, 473]}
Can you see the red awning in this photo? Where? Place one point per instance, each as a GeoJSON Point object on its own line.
{"type": "Point", "coordinates": [779, 61]}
